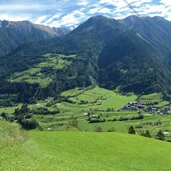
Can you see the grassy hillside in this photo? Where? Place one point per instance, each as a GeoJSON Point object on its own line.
{"type": "Point", "coordinates": [69, 151]}
{"type": "Point", "coordinates": [97, 97]}
{"type": "Point", "coordinates": [98, 107]}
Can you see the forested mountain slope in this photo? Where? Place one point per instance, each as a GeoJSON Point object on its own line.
{"type": "Point", "coordinates": [155, 30]}
{"type": "Point", "coordinates": [100, 51]}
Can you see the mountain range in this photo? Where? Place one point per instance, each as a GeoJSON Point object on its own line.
{"type": "Point", "coordinates": [130, 55]}
{"type": "Point", "coordinates": [14, 34]}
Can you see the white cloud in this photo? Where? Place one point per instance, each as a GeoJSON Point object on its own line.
{"type": "Point", "coordinates": [166, 2]}
{"type": "Point", "coordinates": [16, 18]}
{"type": "Point", "coordinates": [41, 19]}
{"type": "Point", "coordinates": [71, 13]}
{"type": "Point", "coordinates": [82, 3]}
{"type": "Point", "coordinates": [23, 7]}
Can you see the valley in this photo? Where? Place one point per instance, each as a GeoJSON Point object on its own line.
{"type": "Point", "coordinates": [94, 98]}
{"type": "Point", "coordinates": [93, 108]}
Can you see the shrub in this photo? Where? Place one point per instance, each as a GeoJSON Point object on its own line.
{"type": "Point", "coordinates": [160, 136]}
{"type": "Point", "coordinates": [96, 120]}
{"type": "Point", "coordinates": [23, 110]}
{"type": "Point", "coordinates": [131, 130]}
{"type": "Point", "coordinates": [123, 119]}
{"type": "Point", "coordinates": [114, 119]}
{"type": "Point", "coordinates": [137, 117]}
{"type": "Point", "coordinates": [7, 117]}
{"type": "Point", "coordinates": [146, 134]}
{"type": "Point", "coordinates": [29, 124]}
{"type": "Point", "coordinates": [45, 111]}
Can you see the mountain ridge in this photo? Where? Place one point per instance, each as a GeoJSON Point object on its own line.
{"type": "Point", "coordinates": [13, 34]}
{"type": "Point", "coordinates": [107, 53]}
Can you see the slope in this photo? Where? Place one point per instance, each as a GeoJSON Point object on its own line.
{"type": "Point", "coordinates": [82, 151]}
{"type": "Point", "coordinates": [106, 54]}
{"type": "Point", "coordinates": [14, 34]}
{"type": "Point", "coordinates": [155, 30]}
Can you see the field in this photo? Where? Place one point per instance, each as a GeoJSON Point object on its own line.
{"type": "Point", "coordinates": [96, 107]}
{"type": "Point", "coordinates": [86, 151]}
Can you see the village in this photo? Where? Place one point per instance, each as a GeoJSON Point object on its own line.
{"type": "Point", "coordinates": [146, 108]}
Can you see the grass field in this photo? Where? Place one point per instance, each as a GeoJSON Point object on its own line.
{"type": "Point", "coordinates": [82, 151]}
{"type": "Point", "coordinates": [103, 104]}
{"type": "Point", "coordinates": [151, 98]}
{"type": "Point", "coordinates": [99, 98]}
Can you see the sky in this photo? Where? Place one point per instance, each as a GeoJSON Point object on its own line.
{"type": "Point", "coordinates": [70, 13]}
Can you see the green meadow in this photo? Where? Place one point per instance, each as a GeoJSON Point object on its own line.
{"type": "Point", "coordinates": [58, 146]}
{"type": "Point", "coordinates": [103, 105]}
{"type": "Point", "coordinates": [86, 151]}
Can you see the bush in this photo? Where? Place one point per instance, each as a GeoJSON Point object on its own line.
{"type": "Point", "coordinates": [123, 119]}
{"type": "Point", "coordinates": [146, 134]}
{"type": "Point", "coordinates": [131, 130]}
{"type": "Point", "coordinates": [29, 124]}
{"type": "Point", "coordinates": [7, 117]}
{"type": "Point", "coordinates": [160, 136]}
{"type": "Point", "coordinates": [137, 117]}
{"type": "Point", "coordinates": [23, 110]}
{"type": "Point", "coordinates": [96, 120]}
{"type": "Point", "coordinates": [45, 111]}
{"type": "Point", "coordinates": [114, 119]}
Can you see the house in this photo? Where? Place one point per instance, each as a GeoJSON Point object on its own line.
{"type": "Point", "coordinates": [133, 103]}
{"type": "Point", "coordinates": [132, 106]}
{"type": "Point", "coordinates": [152, 110]}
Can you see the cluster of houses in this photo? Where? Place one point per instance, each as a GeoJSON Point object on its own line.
{"type": "Point", "coordinates": [136, 106]}
{"type": "Point", "coordinates": [133, 106]}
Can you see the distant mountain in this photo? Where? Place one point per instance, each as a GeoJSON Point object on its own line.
{"type": "Point", "coordinates": [62, 31]}
{"type": "Point", "coordinates": [124, 58]}
{"type": "Point", "coordinates": [14, 34]}
{"type": "Point", "coordinates": [107, 52]}
{"type": "Point", "coordinates": [155, 30]}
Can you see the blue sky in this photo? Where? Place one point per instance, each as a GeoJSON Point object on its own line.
{"type": "Point", "coordinates": [71, 13]}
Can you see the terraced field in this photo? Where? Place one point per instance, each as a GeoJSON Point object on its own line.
{"type": "Point", "coordinates": [98, 107]}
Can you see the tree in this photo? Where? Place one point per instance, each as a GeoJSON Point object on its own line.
{"type": "Point", "coordinates": [7, 117]}
{"type": "Point", "coordinates": [23, 110]}
{"type": "Point", "coordinates": [161, 136]}
{"type": "Point", "coordinates": [146, 134]}
{"type": "Point", "coordinates": [131, 130]}
{"type": "Point", "coordinates": [29, 124]}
